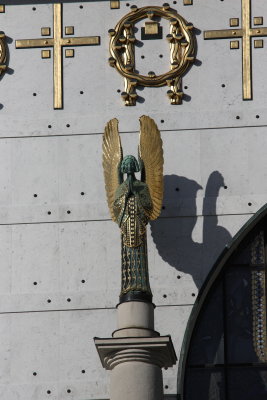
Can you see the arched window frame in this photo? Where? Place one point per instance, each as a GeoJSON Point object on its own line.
{"type": "Point", "coordinates": [216, 270]}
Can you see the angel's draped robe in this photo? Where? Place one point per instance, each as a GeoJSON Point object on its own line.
{"type": "Point", "coordinates": [132, 209]}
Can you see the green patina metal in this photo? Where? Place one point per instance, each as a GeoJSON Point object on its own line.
{"type": "Point", "coordinates": [132, 207]}
{"type": "Point", "coordinates": [132, 202]}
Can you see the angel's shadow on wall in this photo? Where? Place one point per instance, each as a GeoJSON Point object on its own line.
{"type": "Point", "coordinates": [173, 236]}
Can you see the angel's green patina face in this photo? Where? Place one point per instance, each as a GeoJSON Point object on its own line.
{"type": "Point", "coordinates": [129, 165]}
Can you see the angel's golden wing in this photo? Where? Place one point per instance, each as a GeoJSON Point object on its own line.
{"type": "Point", "coordinates": [112, 157]}
{"type": "Point", "coordinates": [151, 154]}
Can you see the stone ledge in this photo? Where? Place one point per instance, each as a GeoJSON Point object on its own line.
{"type": "Point", "coordinates": [155, 350]}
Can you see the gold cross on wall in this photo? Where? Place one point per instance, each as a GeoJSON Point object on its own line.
{"type": "Point", "coordinates": [245, 32]}
{"type": "Point", "coordinates": [58, 42]}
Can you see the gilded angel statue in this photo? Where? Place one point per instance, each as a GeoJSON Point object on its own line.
{"type": "Point", "coordinates": [132, 202]}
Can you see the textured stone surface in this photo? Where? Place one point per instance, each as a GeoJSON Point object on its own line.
{"type": "Point", "coordinates": [215, 179]}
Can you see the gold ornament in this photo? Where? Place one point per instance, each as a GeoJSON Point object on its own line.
{"type": "Point", "coordinates": [3, 53]}
{"type": "Point", "coordinates": [133, 202]}
{"type": "Point", "coordinates": [182, 52]}
{"type": "Point", "coordinates": [245, 33]}
{"type": "Point", "coordinates": [57, 42]}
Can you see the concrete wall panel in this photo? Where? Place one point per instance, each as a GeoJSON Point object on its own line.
{"type": "Point", "coordinates": [77, 265]}
{"type": "Point", "coordinates": [49, 351]}
{"type": "Point", "coordinates": [61, 178]}
{"type": "Point", "coordinates": [60, 253]}
{"type": "Point", "coordinates": [54, 351]}
{"type": "Point", "coordinates": [207, 103]}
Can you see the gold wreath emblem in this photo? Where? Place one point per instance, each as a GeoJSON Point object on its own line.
{"type": "Point", "coordinates": [182, 52]}
{"type": "Point", "coordinates": [3, 53]}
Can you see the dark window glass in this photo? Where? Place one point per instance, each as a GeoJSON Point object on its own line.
{"type": "Point", "coordinates": [208, 344]}
{"type": "Point", "coordinates": [205, 384]}
{"type": "Point", "coordinates": [247, 383]}
{"type": "Point", "coordinates": [239, 323]}
{"type": "Point", "coordinates": [227, 356]}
